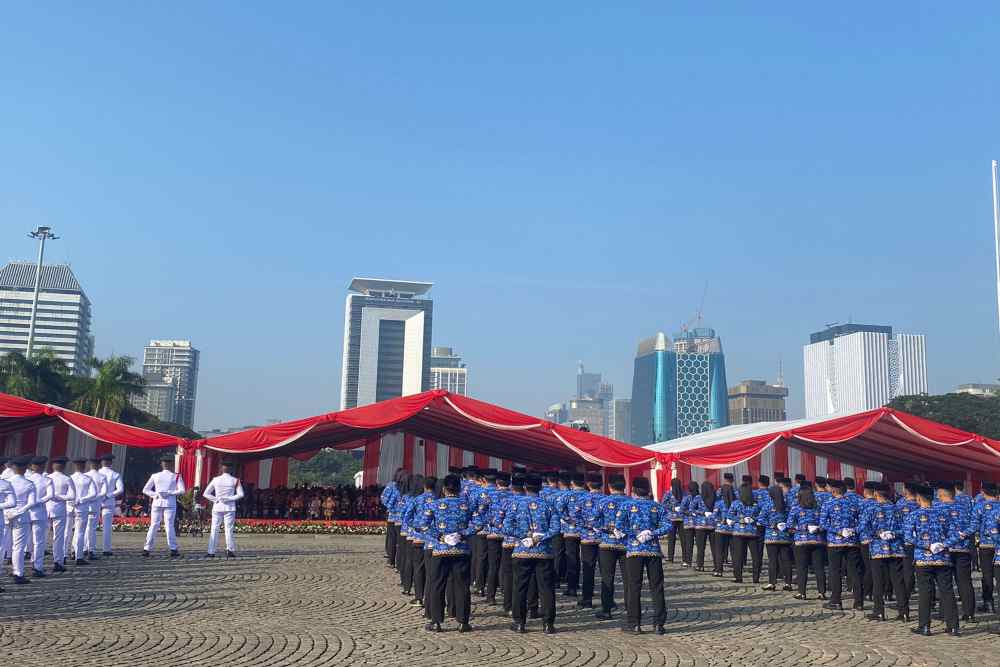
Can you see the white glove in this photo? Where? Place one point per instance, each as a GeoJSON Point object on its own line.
{"type": "Point", "coordinates": [677, 508]}
{"type": "Point", "coordinates": [747, 520]}
{"type": "Point", "coordinates": [644, 536]}
{"type": "Point", "coordinates": [846, 532]}
{"type": "Point", "coordinates": [617, 534]}
{"type": "Point", "coordinates": [452, 539]}
{"type": "Point", "coordinates": [537, 537]}
{"type": "Point", "coordinates": [708, 514]}
{"type": "Point", "coordinates": [10, 514]}
{"type": "Point", "coordinates": [937, 548]}
{"type": "Point", "coordinates": [782, 525]}
{"type": "Point", "coordinates": [886, 535]}
{"type": "Point", "coordinates": [527, 543]}
{"type": "Point", "coordinates": [812, 528]}
{"type": "Point", "coordinates": [729, 522]}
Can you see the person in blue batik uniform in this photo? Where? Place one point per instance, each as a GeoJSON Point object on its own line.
{"type": "Point", "coordinates": [703, 509]}
{"type": "Point", "coordinates": [985, 517]}
{"type": "Point", "coordinates": [584, 512]}
{"type": "Point", "coordinates": [688, 519]}
{"type": "Point", "coordinates": [763, 498]}
{"type": "Point", "coordinates": [611, 550]}
{"type": "Point", "coordinates": [423, 547]}
{"type": "Point", "coordinates": [568, 504]}
{"type": "Point", "coordinates": [882, 525]}
{"type": "Point", "coordinates": [723, 527]}
{"type": "Point", "coordinates": [792, 494]}
{"type": "Point", "coordinates": [809, 541]}
{"type": "Point", "coordinates": [959, 513]}
{"type": "Point", "coordinates": [777, 540]}
{"type": "Point", "coordinates": [533, 523]}
{"type": "Point", "coordinates": [414, 487]}
{"type": "Point", "coordinates": [450, 526]}
{"type": "Point", "coordinates": [417, 526]}
{"type": "Point", "coordinates": [673, 502]}
{"type": "Point", "coordinates": [838, 518]}
{"type": "Point", "coordinates": [389, 496]}
{"type": "Point", "coordinates": [931, 532]}
{"type": "Point", "coordinates": [550, 493]}
{"type": "Point", "coordinates": [498, 492]}
{"type": "Point", "coordinates": [906, 505]}
{"type": "Point", "coordinates": [642, 522]}
{"type": "Point", "coordinates": [744, 514]}
{"type": "Point", "coordinates": [868, 502]}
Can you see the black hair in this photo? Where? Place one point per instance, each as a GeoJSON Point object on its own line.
{"type": "Point", "coordinates": [430, 483]}
{"type": "Point", "coordinates": [452, 484]}
{"type": "Point", "coordinates": [708, 494]}
{"type": "Point", "coordinates": [693, 488]}
{"type": "Point", "coordinates": [746, 495]}
{"type": "Point", "coordinates": [728, 496]}
{"type": "Point", "coordinates": [777, 498]}
{"type": "Point", "coordinates": [617, 482]}
{"type": "Point", "coordinates": [677, 489]}
{"type": "Point", "coordinates": [807, 499]}
{"type": "Point", "coordinates": [416, 485]}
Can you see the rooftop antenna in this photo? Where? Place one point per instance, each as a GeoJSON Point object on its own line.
{"type": "Point", "coordinates": [996, 233]}
{"type": "Point", "coordinates": [780, 382]}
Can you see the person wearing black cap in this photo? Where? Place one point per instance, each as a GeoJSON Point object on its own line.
{"type": "Point", "coordinates": [960, 551]}
{"type": "Point", "coordinates": [742, 518]}
{"type": "Point", "coordinates": [113, 491]}
{"type": "Point", "coordinates": [839, 519]}
{"type": "Point", "coordinates": [38, 515]}
{"type": "Point", "coordinates": [569, 504]}
{"type": "Point", "coordinates": [931, 534]}
{"type": "Point", "coordinates": [906, 506]}
{"type": "Point", "coordinates": [79, 509]}
{"type": "Point", "coordinates": [101, 484]}
{"type": "Point", "coordinates": [809, 541]}
{"type": "Point", "coordinates": [642, 522]}
{"type": "Point", "coordinates": [20, 526]}
{"type": "Point", "coordinates": [882, 524]}
{"type": "Point", "coordinates": [590, 539]}
{"type": "Point", "coordinates": [450, 528]}
{"type": "Point", "coordinates": [986, 522]}
{"type": "Point", "coordinates": [533, 523]}
{"type": "Point", "coordinates": [163, 488]}
{"type": "Point", "coordinates": [673, 502]}
{"type": "Point", "coordinates": [868, 504]}
{"type": "Point", "coordinates": [611, 550]}
{"type": "Point", "coordinates": [763, 498]}
{"type": "Point", "coordinates": [63, 493]}
{"type": "Point", "coordinates": [224, 491]}
{"type": "Point", "coordinates": [723, 536]}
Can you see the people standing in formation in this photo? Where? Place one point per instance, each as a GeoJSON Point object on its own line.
{"type": "Point", "coordinates": [223, 491]}
{"type": "Point", "coordinates": [163, 488]}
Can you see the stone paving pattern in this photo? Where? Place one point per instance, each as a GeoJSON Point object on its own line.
{"type": "Point", "coordinates": [329, 600]}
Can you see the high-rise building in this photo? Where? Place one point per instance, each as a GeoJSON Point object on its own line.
{"type": "Point", "coordinates": [753, 401]}
{"type": "Point", "coordinates": [620, 419]}
{"type": "Point", "coordinates": [170, 368]}
{"type": "Point", "coordinates": [589, 411]}
{"type": "Point", "coordinates": [62, 323]}
{"type": "Point", "coordinates": [448, 372]}
{"type": "Point", "coordinates": [387, 341]}
{"type": "Point", "coordinates": [856, 367]}
{"type": "Point", "coordinates": [678, 389]}
{"type": "Point", "coordinates": [588, 385]}
{"type": "Point", "coordinates": [979, 389]}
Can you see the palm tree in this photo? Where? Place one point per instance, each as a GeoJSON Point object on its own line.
{"type": "Point", "coordinates": [43, 377]}
{"type": "Point", "coordinates": [107, 393]}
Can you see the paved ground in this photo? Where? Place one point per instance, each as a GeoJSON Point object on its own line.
{"type": "Point", "coordinates": [301, 600]}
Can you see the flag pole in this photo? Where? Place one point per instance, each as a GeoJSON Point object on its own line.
{"type": "Point", "coordinates": [996, 233]}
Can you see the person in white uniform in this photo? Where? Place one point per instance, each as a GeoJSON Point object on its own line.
{"type": "Point", "coordinates": [63, 493]}
{"type": "Point", "coordinates": [7, 501]}
{"type": "Point", "coordinates": [24, 496]}
{"type": "Point", "coordinates": [8, 472]}
{"type": "Point", "coordinates": [78, 509]}
{"type": "Point", "coordinates": [114, 490]}
{"type": "Point", "coordinates": [38, 515]}
{"type": "Point", "coordinates": [94, 514]}
{"type": "Point", "coordinates": [224, 491]}
{"type": "Point", "coordinates": [163, 488]}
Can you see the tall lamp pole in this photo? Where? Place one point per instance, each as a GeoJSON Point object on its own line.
{"type": "Point", "coordinates": [996, 233]}
{"type": "Point", "coordinates": [42, 234]}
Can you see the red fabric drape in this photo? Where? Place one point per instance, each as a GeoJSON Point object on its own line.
{"type": "Point", "coordinates": [662, 480]}
{"type": "Point", "coordinates": [279, 471]}
{"type": "Point", "coordinates": [186, 469]}
{"type": "Point", "coordinates": [808, 465]}
{"type": "Point", "coordinates": [753, 467]}
{"type": "Point", "coordinates": [29, 440]}
{"type": "Point", "coordinates": [251, 472]}
{"type": "Point", "coordinates": [507, 466]}
{"type": "Point", "coordinates": [102, 448]}
{"type": "Point", "coordinates": [430, 458]}
{"type": "Point", "coordinates": [408, 442]}
{"type": "Point", "coordinates": [373, 452]}
{"type": "Point", "coordinates": [781, 457]}
{"type": "Point", "coordinates": [481, 461]}
{"type": "Point", "coordinates": [455, 455]}
{"type": "Point", "coordinates": [713, 475]}
{"type": "Point", "coordinates": [60, 436]}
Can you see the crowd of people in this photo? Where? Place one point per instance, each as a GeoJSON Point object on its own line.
{"type": "Point", "coordinates": [523, 535]}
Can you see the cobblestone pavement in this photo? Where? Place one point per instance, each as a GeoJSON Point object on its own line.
{"type": "Point", "coordinates": [303, 600]}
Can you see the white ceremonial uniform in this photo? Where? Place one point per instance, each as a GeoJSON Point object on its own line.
{"type": "Point", "coordinates": [114, 490]}
{"type": "Point", "coordinates": [24, 495]}
{"type": "Point", "coordinates": [163, 488]}
{"type": "Point", "coordinates": [78, 511]}
{"type": "Point", "coordinates": [224, 492]}
{"type": "Point", "coordinates": [5, 543]}
{"type": "Point", "coordinates": [39, 516]}
{"type": "Point", "coordinates": [7, 501]}
{"type": "Point", "coordinates": [63, 492]}
{"type": "Point", "coordinates": [100, 491]}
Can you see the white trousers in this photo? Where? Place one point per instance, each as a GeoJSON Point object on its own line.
{"type": "Point", "coordinates": [228, 519]}
{"type": "Point", "coordinates": [5, 543]}
{"type": "Point", "coordinates": [91, 536]}
{"type": "Point", "coordinates": [166, 515]}
{"type": "Point", "coordinates": [107, 514]}
{"type": "Point", "coordinates": [39, 532]}
{"type": "Point", "coordinates": [58, 525]}
{"type": "Point", "coordinates": [78, 522]}
{"type": "Point", "coordinates": [20, 531]}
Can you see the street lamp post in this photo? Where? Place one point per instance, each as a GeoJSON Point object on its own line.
{"type": "Point", "coordinates": [42, 234]}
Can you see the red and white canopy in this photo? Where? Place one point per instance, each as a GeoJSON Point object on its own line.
{"type": "Point", "coordinates": [896, 443]}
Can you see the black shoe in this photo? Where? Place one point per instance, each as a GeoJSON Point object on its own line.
{"type": "Point", "coordinates": [433, 627]}
{"type": "Point", "coordinates": [902, 616]}
{"type": "Point", "coordinates": [821, 596]}
{"type": "Point", "coordinates": [570, 594]}
{"type": "Point", "coordinates": [533, 613]}
{"type": "Point", "coordinates": [209, 555]}
{"type": "Point", "coordinates": [58, 568]}
{"type": "Point", "coordinates": [107, 554]}
{"type": "Point", "coordinates": [925, 631]}
{"type": "Point", "coordinates": [859, 606]}
{"type": "Point", "coordinates": [660, 630]}
{"type": "Point", "coordinates": [632, 630]}
{"type": "Point", "coordinates": [175, 554]}
{"type": "Point", "coordinates": [969, 618]}
{"type": "Point", "coordinates": [145, 554]}
{"type": "Point", "coordinates": [603, 616]}
{"type": "Point", "coordinates": [80, 561]}
{"type": "Point", "coordinates": [954, 632]}
{"type": "Point", "coordinates": [38, 574]}
{"type": "Point", "coordinates": [518, 628]}
{"type": "Point", "coordinates": [987, 607]}
{"type": "Point", "coordinates": [230, 554]}
{"type": "Point", "coordinates": [584, 604]}
{"type": "Point", "coordinates": [738, 580]}
{"type": "Point", "coordinates": [769, 587]}
{"type": "Point", "coordinates": [21, 580]}
{"type": "Point", "coordinates": [876, 616]}
{"type": "Point", "coordinates": [835, 606]}
{"type": "Point", "coordinates": [492, 602]}
{"type": "Point", "coordinates": [465, 627]}
{"type": "Point", "coordinates": [799, 596]}
{"type": "Point", "coordinates": [549, 629]}
{"type": "Point", "coordinates": [788, 587]}
{"type": "Point", "coordinates": [27, 557]}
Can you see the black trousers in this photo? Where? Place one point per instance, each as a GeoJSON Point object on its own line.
{"type": "Point", "coordinates": [700, 538]}
{"type": "Point", "coordinates": [868, 580]}
{"type": "Point", "coordinates": [608, 560]}
{"type": "Point", "coordinates": [429, 583]}
{"type": "Point", "coordinates": [759, 545]}
{"type": "Point", "coordinates": [634, 566]}
{"type": "Point", "coordinates": [687, 545]}
{"type": "Point", "coordinates": [986, 567]}
{"type": "Point", "coordinates": [419, 573]}
{"type": "Point", "coordinates": [845, 559]}
{"type": "Point", "coordinates": [559, 553]}
{"type": "Point", "coordinates": [588, 563]}
{"type": "Point", "coordinates": [493, 548]}
{"type": "Point", "coordinates": [909, 572]}
{"type": "Point", "coordinates": [721, 551]}
{"type": "Point", "coordinates": [507, 577]}
{"type": "Point", "coordinates": [806, 554]}
{"type": "Point", "coordinates": [405, 548]}
{"type": "Point", "coordinates": [542, 572]}
{"type": "Point", "coordinates": [886, 573]}
{"type": "Point", "coordinates": [391, 535]}
{"type": "Point", "coordinates": [961, 563]}
{"type": "Point", "coordinates": [479, 562]}
{"type": "Point", "coordinates": [571, 545]}
{"type": "Point", "coordinates": [742, 544]}
{"type": "Point", "coordinates": [453, 570]}
{"type": "Point", "coordinates": [927, 577]}
{"type": "Point", "coordinates": [779, 562]}
{"type": "Point", "coordinates": [678, 527]}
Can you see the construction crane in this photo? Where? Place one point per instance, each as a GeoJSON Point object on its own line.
{"type": "Point", "coordinates": [696, 320]}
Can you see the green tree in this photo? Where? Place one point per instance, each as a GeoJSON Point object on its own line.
{"type": "Point", "coordinates": [43, 378]}
{"type": "Point", "coordinates": [107, 393]}
{"type": "Point", "coordinates": [979, 414]}
{"type": "Point", "coordinates": [329, 467]}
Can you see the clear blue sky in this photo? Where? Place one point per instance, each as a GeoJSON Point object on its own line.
{"type": "Point", "coordinates": [568, 176]}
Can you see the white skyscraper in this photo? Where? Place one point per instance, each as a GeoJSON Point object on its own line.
{"type": "Point", "coordinates": [856, 367]}
{"type": "Point", "coordinates": [448, 371]}
{"type": "Point", "coordinates": [170, 368]}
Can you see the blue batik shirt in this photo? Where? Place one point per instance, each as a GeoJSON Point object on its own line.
{"type": "Point", "coordinates": [838, 515]}
{"type": "Point", "coordinates": [864, 525]}
{"type": "Point", "coordinates": [792, 497]}
{"type": "Point", "coordinates": [585, 513]}
{"type": "Point", "coordinates": [763, 499]}
{"type": "Point", "coordinates": [389, 496]}
{"type": "Point", "coordinates": [638, 515]}
{"type": "Point", "coordinates": [604, 520]}
{"type": "Point", "coordinates": [984, 521]}
{"type": "Point", "coordinates": [883, 519]}
{"type": "Point", "coordinates": [495, 511]}
{"type": "Point", "coordinates": [507, 503]}
{"type": "Point", "coordinates": [739, 514]}
{"type": "Point", "coordinates": [406, 516]}
{"type": "Point", "coordinates": [822, 498]}
{"type": "Point", "coordinates": [772, 534]}
{"type": "Point", "coordinates": [800, 519]}
{"type": "Point", "coordinates": [698, 510]}
{"type": "Point", "coordinates": [721, 513]}
{"type": "Point", "coordinates": [567, 504]}
{"type": "Point", "coordinates": [451, 514]}
{"type": "Point", "coordinates": [906, 508]}
{"type": "Point", "coordinates": [531, 516]}
{"type": "Point", "coordinates": [421, 523]}
{"type": "Point", "coordinates": [957, 514]}
{"type": "Point", "coordinates": [927, 526]}
{"type": "Point", "coordinates": [687, 513]}
{"type": "Point", "coordinates": [674, 507]}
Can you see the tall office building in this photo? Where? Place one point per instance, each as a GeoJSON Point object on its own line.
{"type": "Point", "coordinates": [856, 367]}
{"type": "Point", "coordinates": [620, 419]}
{"type": "Point", "coordinates": [448, 372]}
{"type": "Point", "coordinates": [588, 385]}
{"type": "Point", "coordinates": [62, 323]}
{"type": "Point", "coordinates": [753, 401]}
{"type": "Point", "coordinates": [170, 368]}
{"type": "Point", "coordinates": [678, 389]}
{"type": "Point", "coordinates": [387, 341]}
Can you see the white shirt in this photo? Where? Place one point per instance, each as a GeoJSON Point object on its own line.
{"type": "Point", "coordinates": [63, 492]}
{"type": "Point", "coordinates": [223, 491]}
{"type": "Point", "coordinates": [83, 492]}
{"type": "Point", "coordinates": [7, 500]}
{"type": "Point", "coordinates": [7, 474]}
{"type": "Point", "coordinates": [100, 489]}
{"type": "Point", "coordinates": [115, 488]}
{"type": "Point", "coordinates": [43, 494]}
{"type": "Point", "coordinates": [164, 487]}
{"type": "Point", "coordinates": [24, 496]}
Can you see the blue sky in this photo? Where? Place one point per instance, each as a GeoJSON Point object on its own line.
{"type": "Point", "coordinates": [569, 175]}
